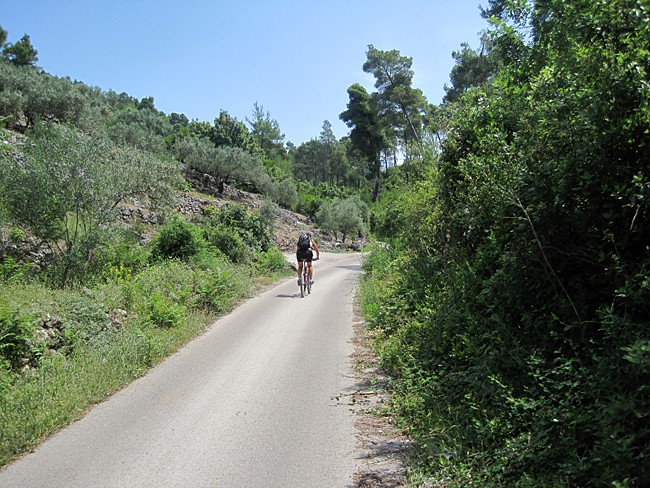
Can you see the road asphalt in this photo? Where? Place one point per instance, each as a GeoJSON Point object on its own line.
{"type": "Point", "coordinates": [253, 402]}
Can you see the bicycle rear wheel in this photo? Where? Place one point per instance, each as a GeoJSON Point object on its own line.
{"type": "Point", "coordinates": [306, 280]}
{"type": "Point", "coordinates": [303, 284]}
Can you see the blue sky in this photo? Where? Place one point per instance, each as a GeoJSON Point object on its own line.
{"type": "Point", "coordinates": [296, 58]}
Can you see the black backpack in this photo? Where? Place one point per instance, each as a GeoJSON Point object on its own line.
{"type": "Point", "coordinates": [304, 242]}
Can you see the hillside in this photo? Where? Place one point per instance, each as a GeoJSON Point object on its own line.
{"type": "Point", "coordinates": [288, 224]}
{"type": "Point", "coordinates": [192, 205]}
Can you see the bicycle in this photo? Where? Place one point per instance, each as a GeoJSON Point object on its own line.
{"type": "Point", "coordinates": [305, 284]}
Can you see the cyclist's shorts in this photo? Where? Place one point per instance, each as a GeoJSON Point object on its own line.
{"type": "Point", "coordinates": [303, 254]}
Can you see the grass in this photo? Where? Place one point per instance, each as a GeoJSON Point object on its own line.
{"type": "Point", "coordinates": [63, 388]}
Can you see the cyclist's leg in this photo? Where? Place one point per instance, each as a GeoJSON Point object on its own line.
{"type": "Point", "coordinates": [299, 258]}
{"type": "Point", "coordinates": [311, 268]}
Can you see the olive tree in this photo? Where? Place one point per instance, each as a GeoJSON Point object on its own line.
{"type": "Point", "coordinates": [64, 186]}
{"type": "Point", "coordinates": [224, 163]}
{"type": "Point", "coordinates": [346, 217]}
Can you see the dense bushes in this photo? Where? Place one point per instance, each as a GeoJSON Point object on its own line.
{"type": "Point", "coordinates": [17, 332]}
{"type": "Point", "coordinates": [513, 296]}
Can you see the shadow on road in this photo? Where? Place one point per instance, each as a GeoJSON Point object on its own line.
{"type": "Point", "coordinates": [353, 267]}
{"type": "Point", "coordinates": [284, 295]}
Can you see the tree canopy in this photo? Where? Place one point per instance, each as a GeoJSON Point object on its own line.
{"type": "Point", "coordinates": [266, 132]}
{"type": "Point", "coordinates": [228, 131]}
{"type": "Point", "coordinates": [472, 68]}
{"type": "Point", "coordinates": [20, 53]}
{"type": "Point", "coordinates": [402, 105]}
{"type": "Point", "coordinates": [368, 135]}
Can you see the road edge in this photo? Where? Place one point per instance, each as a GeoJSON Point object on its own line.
{"type": "Point", "coordinates": [382, 448]}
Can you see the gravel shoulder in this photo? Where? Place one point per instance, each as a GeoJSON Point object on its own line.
{"type": "Point", "coordinates": [382, 447]}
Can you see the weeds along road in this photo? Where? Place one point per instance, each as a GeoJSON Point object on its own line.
{"type": "Point", "coordinates": [251, 403]}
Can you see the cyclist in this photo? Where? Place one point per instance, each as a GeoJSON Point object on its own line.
{"type": "Point", "coordinates": [304, 253]}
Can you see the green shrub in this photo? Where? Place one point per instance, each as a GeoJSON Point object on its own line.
{"type": "Point", "coordinates": [7, 376]}
{"type": "Point", "coordinates": [82, 318]}
{"type": "Point", "coordinates": [17, 347]}
{"type": "Point", "coordinates": [211, 259]}
{"type": "Point", "coordinates": [284, 193]}
{"type": "Point", "coordinates": [268, 212]}
{"type": "Point", "coordinates": [253, 229]}
{"type": "Point", "coordinates": [5, 121]}
{"type": "Point", "coordinates": [346, 217]}
{"type": "Point", "coordinates": [119, 257]}
{"type": "Point", "coordinates": [144, 129]}
{"type": "Point", "coordinates": [177, 239]}
{"type": "Point", "coordinates": [312, 197]}
{"type": "Point", "coordinates": [170, 279]}
{"type": "Point", "coordinates": [13, 272]}
{"type": "Point", "coordinates": [162, 312]}
{"type": "Point", "coordinates": [218, 289]}
{"type": "Point", "coordinates": [309, 204]}
{"type": "Point", "coordinates": [228, 241]}
{"type": "Point", "coordinates": [271, 261]}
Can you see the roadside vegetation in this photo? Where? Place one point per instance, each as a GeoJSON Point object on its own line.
{"type": "Point", "coordinates": [507, 279]}
{"type": "Point", "coordinates": [64, 348]}
{"type": "Point", "coordinates": [510, 285]}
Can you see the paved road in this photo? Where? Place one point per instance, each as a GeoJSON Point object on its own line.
{"type": "Point", "coordinates": [251, 403]}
